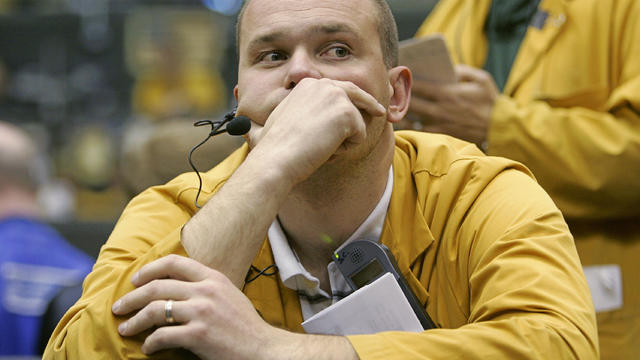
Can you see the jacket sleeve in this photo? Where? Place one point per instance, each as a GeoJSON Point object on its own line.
{"type": "Point", "coordinates": [588, 161]}
{"type": "Point", "coordinates": [148, 229]}
{"type": "Point", "coordinates": [516, 275]}
{"type": "Point", "coordinates": [577, 126]}
{"type": "Point", "coordinates": [583, 141]}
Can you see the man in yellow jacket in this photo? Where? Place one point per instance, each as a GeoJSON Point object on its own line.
{"type": "Point", "coordinates": [555, 84]}
{"type": "Point", "coordinates": [482, 246]}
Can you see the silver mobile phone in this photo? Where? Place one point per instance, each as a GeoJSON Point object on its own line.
{"type": "Point", "coordinates": [362, 261]}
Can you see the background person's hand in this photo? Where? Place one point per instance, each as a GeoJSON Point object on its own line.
{"type": "Point", "coordinates": [213, 319]}
{"type": "Point", "coordinates": [461, 109]}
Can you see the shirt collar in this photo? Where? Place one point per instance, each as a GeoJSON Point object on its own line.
{"type": "Point", "coordinates": [294, 275]}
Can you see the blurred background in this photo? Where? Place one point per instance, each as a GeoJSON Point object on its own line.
{"type": "Point", "coordinates": [110, 90]}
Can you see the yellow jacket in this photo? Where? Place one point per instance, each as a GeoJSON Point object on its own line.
{"type": "Point", "coordinates": [476, 238]}
{"type": "Point", "coordinates": [570, 111]}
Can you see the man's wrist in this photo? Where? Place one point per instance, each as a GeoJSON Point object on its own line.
{"type": "Point", "coordinates": [272, 172]}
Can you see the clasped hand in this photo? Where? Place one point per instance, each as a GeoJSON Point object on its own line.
{"type": "Point", "coordinates": [319, 118]}
{"type": "Point", "coordinates": [213, 318]}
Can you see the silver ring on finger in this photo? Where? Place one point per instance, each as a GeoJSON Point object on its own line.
{"type": "Point", "coordinates": [168, 312]}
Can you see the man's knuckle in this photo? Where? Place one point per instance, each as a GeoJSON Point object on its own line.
{"type": "Point", "coordinates": [158, 339]}
{"type": "Point", "coordinates": [172, 257]}
{"type": "Point", "coordinates": [336, 92]}
{"type": "Point", "coordinates": [203, 309]}
{"type": "Point", "coordinates": [344, 109]}
{"type": "Point", "coordinates": [207, 288]}
{"type": "Point", "coordinates": [217, 275]}
{"type": "Point", "coordinates": [350, 85]}
{"type": "Point", "coordinates": [154, 288]}
{"type": "Point", "coordinates": [144, 316]}
{"type": "Point", "coordinates": [346, 116]}
{"type": "Point", "coordinates": [173, 260]}
{"type": "Point", "coordinates": [199, 332]}
{"type": "Point", "coordinates": [308, 82]}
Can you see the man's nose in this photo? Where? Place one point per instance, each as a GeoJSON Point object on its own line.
{"type": "Point", "coordinates": [301, 65]}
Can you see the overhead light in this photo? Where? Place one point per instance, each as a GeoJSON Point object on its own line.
{"type": "Point", "coordinates": [226, 7]}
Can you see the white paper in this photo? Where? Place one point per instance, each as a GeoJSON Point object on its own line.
{"type": "Point", "coordinates": [428, 58]}
{"type": "Point", "coordinates": [379, 306]}
{"type": "Point", "coordinates": [605, 283]}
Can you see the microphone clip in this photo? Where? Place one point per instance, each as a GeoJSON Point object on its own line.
{"type": "Point", "coordinates": [235, 126]}
{"type": "Point", "coordinates": [217, 124]}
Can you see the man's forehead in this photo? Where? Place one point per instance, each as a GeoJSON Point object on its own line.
{"type": "Point", "coordinates": [325, 28]}
{"type": "Point", "coordinates": [301, 5]}
{"type": "Point", "coordinates": [263, 14]}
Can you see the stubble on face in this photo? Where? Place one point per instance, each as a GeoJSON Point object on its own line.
{"type": "Point", "coordinates": [329, 184]}
{"type": "Point", "coordinates": [341, 170]}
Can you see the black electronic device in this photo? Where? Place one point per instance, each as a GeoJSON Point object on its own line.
{"type": "Point", "coordinates": [363, 261]}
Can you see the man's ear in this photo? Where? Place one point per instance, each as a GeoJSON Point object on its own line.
{"type": "Point", "coordinates": [400, 82]}
{"type": "Point", "coordinates": [235, 92]}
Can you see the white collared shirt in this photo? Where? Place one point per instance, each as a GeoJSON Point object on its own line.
{"type": "Point", "coordinates": [296, 277]}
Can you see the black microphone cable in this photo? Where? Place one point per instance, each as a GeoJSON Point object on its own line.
{"type": "Point", "coordinates": [235, 126]}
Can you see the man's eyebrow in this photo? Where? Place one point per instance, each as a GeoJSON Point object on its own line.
{"type": "Point", "coordinates": [332, 28]}
{"type": "Point", "coordinates": [266, 39]}
{"type": "Point", "coordinates": [318, 29]}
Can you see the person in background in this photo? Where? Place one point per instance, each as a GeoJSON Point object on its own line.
{"type": "Point", "coordinates": [556, 85]}
{"type": "Point", "coordinates": [485, 250]}
{"type": "Point", "coordinates": [154, 153]}
{"type": "Point", "coordinates": [35, 261]}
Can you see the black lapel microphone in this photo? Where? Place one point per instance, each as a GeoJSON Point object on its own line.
{"type": "Point", "coordinates": [238, 125]}
{"type": "Point", "coordinates": [235, 125]}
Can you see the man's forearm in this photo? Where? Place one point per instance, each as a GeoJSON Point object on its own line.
{"type": "Point", "coordinates": [292, 346]}
{"type": "Point", "coordinates": [228, 231]}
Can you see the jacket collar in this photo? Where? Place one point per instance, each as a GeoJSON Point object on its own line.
{"type": "Point", "coordinates": [550, 18]}
{"type": "Point", "coordinates": [533, 47]}
{"type": "Point", "coordinates": [406, 232]}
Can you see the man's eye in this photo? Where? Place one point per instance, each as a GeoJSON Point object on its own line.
{"type": "Point", "coordinates": [273, 56]}
{"type": "Point", "coordinates": [338, 52]}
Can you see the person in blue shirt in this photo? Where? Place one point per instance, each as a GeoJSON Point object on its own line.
{"type": "Point", "coordinates": [35, 261]}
